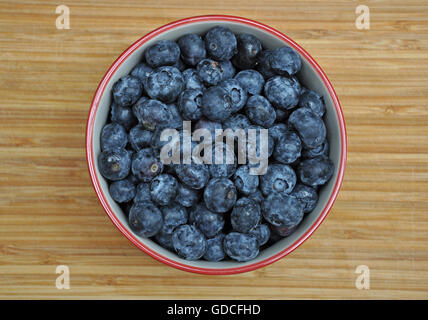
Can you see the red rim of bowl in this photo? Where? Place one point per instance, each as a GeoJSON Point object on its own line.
{"type": "Point", "coordinates": [100, 194]}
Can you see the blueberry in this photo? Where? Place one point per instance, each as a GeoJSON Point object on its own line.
{"type": "Point", "coordinates": [139, 137]}
{"type": "Point", "coordinates": [245, 215]}
{"type": "Point", "coordinates": [211, 126]}
{"type": "Point", "coordinates": [244, 182]}
{"type": "Point", "coordinates": [281, 232]}
{"type": "Point", "coordinates": [260, 111]}
{"type": "Point", "coordinates": [215, 250]}
{"type": "Point", "coordinates": [127, 90]}
{"type": "Point", "coordinates": [220, 43]}
{"type": "Point", "coordinates": [257, 196]}
{"type": "Point", "coordinates": [282, 92]}
{"type": "Point", "coordinates": [163, 189]}
{"type": "Point", "coordinates": [282, 210]}
{"type": "Point", "coordinates": [287, 148]}
{"type": "Point", "coordinates": [113, 136]}
{"type": "Point", "coordinates": [192, 48]}
{"type": "Point", "coordinates": [193, 175]}
{"type": "Point", "coordinates": [209, 71]}
{"type": "Point", "coordinates": [153, 114]}
{"type": "Point", "coordinates": [114, 165]}
{"type": "Point", "coordinates": [145, 219]}
{"type": "Point", "coordinates": [176, 119]}
{"type": "Point", "coordinates": [165, 240]}
{"type": "Point", "coordinates": [322, 150]}
{"type": "Point", "coordinates": [263, 64]}
{"type": "Point", "coordinates": [189, 242]}
{"type": "Point", "coordinates": [306, 195]}
{"type": "Point", "coordinates": [237, 121]}
{"type": "Point", "coordinates": [241, 247]}
{"type": "Point", "coordinates": [189, 103]}
{"type": "Point", "coordinates": [164, 84]}
{"type": "Point", "coordinates": [192, 80]}
{"type": "Point", "coordinates": [186, 196]}
{"type": "Point", "coordinates": [145, 165]}
{"type": "Point", "coordinates": [162, 53]}
{"type": "Point", "coordinates": [261, 232]}
{"type": "Point", "coordinates": [210, 223]}
{"type": "Point", "coordinates": [312, 100]}
{"type": "Point", "coordinates": [279, 178]}
{"type": "Point", "coordinates": [227, 70]}
{"type": "Point", "coordinates": [237, 94]}
{"type": "Point", "coordinates": [285, 61]}
{"type": "Point", "coordinates": [174, 215]}
{"type": "Point", "coordinates": [122, 190]}
{"type": "Point", "coordinates": [251, 81]}
{"type": "Point", "coordinates": [315, 172]}
{"type": "Point", "coordinates": [123, 116]}
{"type": "Point", "coordinates": [142, 192]}
{"type": "Point", "coordinates": [141, 71]}
{"type": "Point", "coordinates": [222, 166]}
{"type": "Point", "coordinates": [216, 104]}
{"type": "Point", "coordinates": [248, 49]}
{"type": "Point", "coordinates": [309, 126]}
{"type": "Point", "coordinates": [278, 130]}
{"type": "Point", "coordinates": [220, 195]}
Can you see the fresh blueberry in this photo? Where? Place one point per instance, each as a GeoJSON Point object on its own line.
{"type": "Point", "coordinates": [189, 242]}
{"type": "Point", "coordinates": [174, 215]}
{"type": "Point", "coordinates": [193, 175]}
{"type": "Point", "coordinates": [145, 165]}
{"type": "Point", "coordinates": [222, 166]}
{"type": "Point", "coordinates": [282, 210]}
{"type": "Point", "coordinates": [248, 49]}
{"type": "Point", "coordinates": [145, 219]}
{"type": "Point", "coordinates": [237, 94]}
{"type": "Point", "coordinates": [279, 178]}
{"type": "Point", "coordinates": [277, 131]}
{"type": "Point", "coordinates": [215, 250]}
{"type": "Point", "coordinates": [192, 48]}
{"type": "Point", "coordinates": [237, 121]}
{"type": "Point", "coordinates": [163, 189]}
{"type": "Point", "coordinates": [312, 100]}
{"type": "Point", "coordinates": [285, 61]}
{"type": "Point", "coordinates": [261, 232]}
{"type": "Point", "coordinates": [220, 43]}
{"type": "Point", "coordinates": [192, 80]}
{"type": "Point", "coordinates": [122, 190]}
{"type": "Point", "coordinates": [189, 104]}
{"type": "Point", "coordinates": [210, 223]}
{"type": "Point", "coordinates": [114, 165]}
{"type": "Point", "coordinates": [306, 195]}
{"type": "Point", "coordinates": [220, 195]}
{"type": "Point", "coordinates": [227, 70]}
{"type": "Point", "coordinates": [165, 240]}
{"type": "Point", "coordinates": [322, 150]}
{"type": "Point", "coordinates": [186, 196]}
{"type": "Point", "coordinates": [309, 126]}
{"type": "Point", "coordinates": [281, 232]}
{"type": "Point", "coordinates": [315, 172]}
{"type": "Point", "coordinates": [287, 148]}
{"type": "Point", "coordinates": [123, 116]}
{"type": "Point", "coordinates": [260, 111]}
{"type": "Point", "coordinates": [251, 81]}
{"type": "Point", "coordinates": [245, 215]}
{"type": "Point", "coordinates": [209, 71]}
{"type": "Point", "coordinates": [257, 196]}
{"type": "Point", "coordinates": [282, 92]}
{"type": "Point", "coordinates": [263, 64]}
{"type": "Point", "coordinates": [113, 136]}
{"type": "Point", "coordinates": [141, 71]}
{"type": "Point", "coordinates": [142, 192]}
{"type": "Point", "coordinates": [127, 90]}
{"type": "Point", "coordinates": [139, 137]}
{"type": "Point", "coordinates": [153, 114]}
{"type": "Point", "coordinates": [216, 104]}
{"type": "Point", "coordinates": [244, 181]}
{"type": "Point", "coordinates": [164, 84]}
{"type": "Point", "coordinates": [162, 53]}
{"type": "Point", "coordinates": [241, 247]}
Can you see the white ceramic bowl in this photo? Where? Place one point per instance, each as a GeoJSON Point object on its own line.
{"type": "Point", "coordinates": [311, 75]}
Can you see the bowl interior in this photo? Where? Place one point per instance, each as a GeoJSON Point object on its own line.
{"type": "Point", "coordinates": [308, 76]}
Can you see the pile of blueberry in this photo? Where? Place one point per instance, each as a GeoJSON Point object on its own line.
{"type": "Point", "coordinates": [221, 80]}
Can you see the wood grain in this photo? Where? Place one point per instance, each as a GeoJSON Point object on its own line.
{"type": "Point", "coordinates": [49, 214]}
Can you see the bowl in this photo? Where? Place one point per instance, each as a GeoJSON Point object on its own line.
{"type": "Point", "coordinates": [311, 75]}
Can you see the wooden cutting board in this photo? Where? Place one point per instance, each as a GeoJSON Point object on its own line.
{"type": "Point", "coordinates": [50, 215]}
